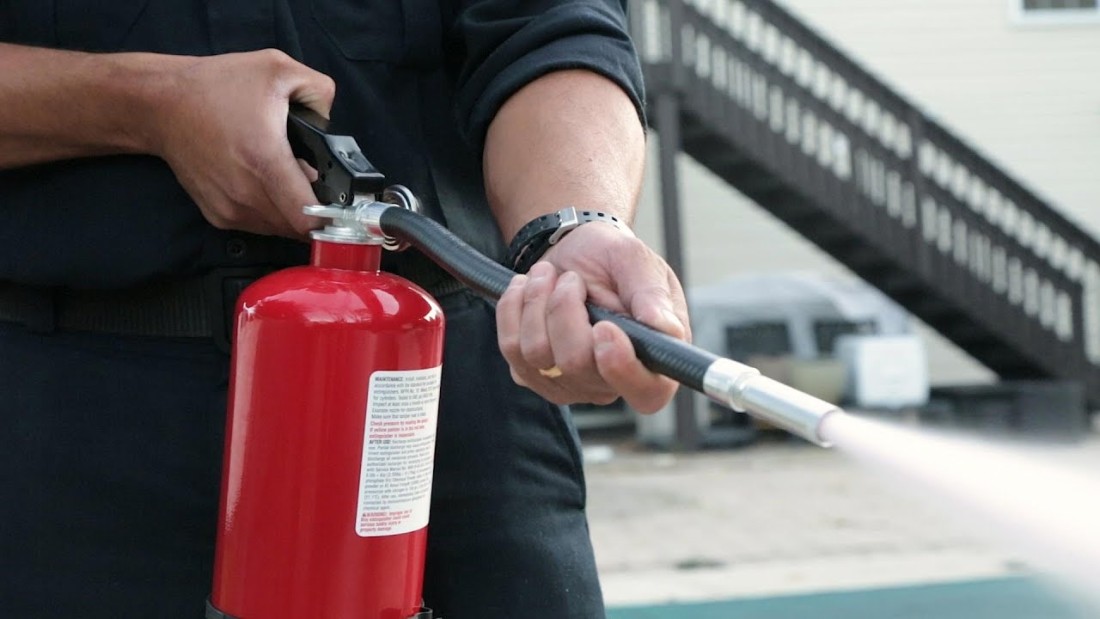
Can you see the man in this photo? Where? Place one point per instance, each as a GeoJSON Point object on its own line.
{"type": "Point", "coordinates": [145, 173]}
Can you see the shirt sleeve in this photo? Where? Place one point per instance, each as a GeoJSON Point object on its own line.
{"type": "Point", "coordinates": [502, 45]}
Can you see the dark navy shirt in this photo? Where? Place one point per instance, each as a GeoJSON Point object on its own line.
{"type": "Point", "coordinates": [417, 84]}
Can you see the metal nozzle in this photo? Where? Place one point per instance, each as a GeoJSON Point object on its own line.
{"type": "Point", "coordinates": [743, 388]}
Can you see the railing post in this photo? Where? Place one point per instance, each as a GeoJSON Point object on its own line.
{"type": "Point", "coordinates": [921, 259]}
{"type": "Point", "coordinates": [667, 124]}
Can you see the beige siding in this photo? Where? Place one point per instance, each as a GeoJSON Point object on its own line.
{"type": "Point", "coordinates": [1026, 96]}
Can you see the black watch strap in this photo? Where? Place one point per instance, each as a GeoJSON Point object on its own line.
{"type": "Point", "coordinates": [541, 233]}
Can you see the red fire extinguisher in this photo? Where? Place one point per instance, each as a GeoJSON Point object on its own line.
{"type": "Point", "coordinates": [331, 424]}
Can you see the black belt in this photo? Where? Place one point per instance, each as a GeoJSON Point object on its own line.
{"type": "Point", "coordinates": [197, 307]}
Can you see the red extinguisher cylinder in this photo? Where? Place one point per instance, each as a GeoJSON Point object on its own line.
{"type": "Point", "coordinates": [329, 442]}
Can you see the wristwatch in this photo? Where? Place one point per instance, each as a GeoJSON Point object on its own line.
{"type": "Point", "coordinates": [540, 234]}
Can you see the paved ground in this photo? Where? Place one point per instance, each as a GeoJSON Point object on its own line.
{"type": "Point", "coordinates": [777, 518]}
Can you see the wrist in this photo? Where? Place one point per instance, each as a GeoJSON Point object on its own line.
{"type": "Point", "coordinates": [535, 238]}
{"type": "Point", "coordinates": [145, 88]}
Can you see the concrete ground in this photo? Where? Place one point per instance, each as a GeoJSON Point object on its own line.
{"type": "Point", "coordinates": [773, 519]}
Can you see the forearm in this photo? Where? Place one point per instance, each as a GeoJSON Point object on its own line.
{"type": "Point", "coordinates": [61, 104]}
{"type": "Point", "coordinates": [574, 138]}
{"type": "Point", "coordinates": [570, 138]}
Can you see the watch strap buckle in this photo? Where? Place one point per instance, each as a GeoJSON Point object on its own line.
{"type": "Point", "coordinates": [567, 220]}
{"type": "Point", "coordinates": [542, 233]}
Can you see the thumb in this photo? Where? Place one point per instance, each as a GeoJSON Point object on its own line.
{"type": "Point", "coordinates": [653, 306]}
{"type": "Point", "coordinates": [646, 290]}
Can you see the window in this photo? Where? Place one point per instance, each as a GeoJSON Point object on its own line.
{"type": "Point", "coordinates": [1055, 11]}
{"type": "Point", "coordinates": [826, 333]}
{"type": "Point", "coordinates": [1059, 5]}
{"type": "Point", "coordinates": [759, 338]}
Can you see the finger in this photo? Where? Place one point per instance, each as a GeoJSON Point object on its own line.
{"type": "Point", "coordinates": [567, 326]}
{"type": "Point", "coordinates": [509, 310]}
{"type": "Point", "coordinates": [645, 391]}
{"type": "Point", "coordinates": [646, 289]}
{"type": "Point", "coordinates": [310, 172]}
{"type": "Point", "coordinates": [570, 333]}
{"type": "Point", "coordinates": [654, 307]}
{"type": "Point", "coordinates": [289, 190]}
{"type": "Point", "coordinates": [534, 340]}
{"type": "Point", "coordinates": [679, 303]}
{"type": "Point", "coordinates": [225, 214]}
{"type": "Point", "coordinates": [316, 91]}
{"type": "Point", "coordinates": [258, 221]}
{"type": "Point", "coordinates": [312, 89]}
{"type": "Point", "coordinates": [516, 378]}
{"type": "Point", "coordinates": [509, 318]}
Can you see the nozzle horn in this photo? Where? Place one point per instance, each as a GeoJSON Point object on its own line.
{"type": "Point", "coordinates": [742, 388]}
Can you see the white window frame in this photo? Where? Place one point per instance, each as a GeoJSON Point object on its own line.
{"type": "Point", "coordinates": [1051, 16]}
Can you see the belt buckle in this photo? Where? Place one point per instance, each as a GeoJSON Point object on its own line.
{"type": "Point", "coordinates": [222, 287]}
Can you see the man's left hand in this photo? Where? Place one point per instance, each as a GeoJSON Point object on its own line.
{"type": "Point", "coordinates": [543, 323]}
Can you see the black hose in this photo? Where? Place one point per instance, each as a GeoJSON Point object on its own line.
{"type": "Point", "coordinates": [660, 353]}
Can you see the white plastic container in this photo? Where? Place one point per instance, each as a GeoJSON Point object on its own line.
{"type": "Point", "coordinates": [885, 371]}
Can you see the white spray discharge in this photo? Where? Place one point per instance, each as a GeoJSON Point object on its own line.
{"type": "Point", "coordinates": [1036, 504]}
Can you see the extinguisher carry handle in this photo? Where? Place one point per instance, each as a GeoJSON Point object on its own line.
{"type": "Point", "coordinates": [343, 172]}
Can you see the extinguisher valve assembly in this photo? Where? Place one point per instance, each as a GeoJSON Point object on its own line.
{"type": "Point", "coordinates": [358, 223]}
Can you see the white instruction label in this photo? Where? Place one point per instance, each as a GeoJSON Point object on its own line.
{"type": "Point", "coordinates": [395, 480]}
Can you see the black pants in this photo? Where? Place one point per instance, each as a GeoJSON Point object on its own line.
{"type": "Point", "coordinates": [110, 452]}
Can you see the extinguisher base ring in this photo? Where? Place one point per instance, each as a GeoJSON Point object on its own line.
{"type": "Point", "coordinates": [214, 613]}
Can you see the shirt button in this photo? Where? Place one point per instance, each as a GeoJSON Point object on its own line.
{"type": "Point", "coordinates": [236, 248]}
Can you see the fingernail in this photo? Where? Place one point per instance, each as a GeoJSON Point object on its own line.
{"type": "Point", "coordinates": [602, 341]}
{"type": "Point", "coordinates": [518, 281]}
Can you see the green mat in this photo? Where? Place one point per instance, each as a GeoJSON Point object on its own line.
{"type": "Point", "coordinates": [1007, 598]}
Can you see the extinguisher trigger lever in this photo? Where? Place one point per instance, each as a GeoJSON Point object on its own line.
{"type": "Point", "coordinates": [344, 176]}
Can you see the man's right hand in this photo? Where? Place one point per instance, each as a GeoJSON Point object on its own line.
{"type": "Point", "coordinates": [222, 129]}
{"type": "Point", "coordinates": [219, 122]}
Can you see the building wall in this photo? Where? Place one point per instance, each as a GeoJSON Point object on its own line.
{"type": "Point", "coordinates": [1026, 96]}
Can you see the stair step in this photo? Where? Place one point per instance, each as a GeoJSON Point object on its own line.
{"type": "Point", "coordinates": [933, 310]}
{"type": "Point", "coordinates": [898, 282]}
{"type": "Point", "coordinates": [758, 186]}
{"type": "Point", "coordinates": [860, 257]}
